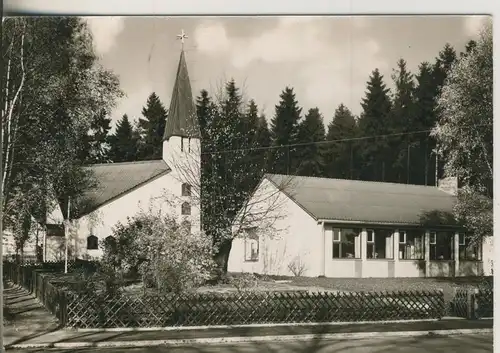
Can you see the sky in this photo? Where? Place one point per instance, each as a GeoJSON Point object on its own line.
{"type": "Point", "coordinates": [327, 60]}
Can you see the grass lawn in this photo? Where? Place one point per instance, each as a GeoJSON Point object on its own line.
{"type": "Point", "coordinates": [447, 285]}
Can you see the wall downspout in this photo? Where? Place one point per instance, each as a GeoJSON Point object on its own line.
{"type": "Point", "coordinates": [323, 247]}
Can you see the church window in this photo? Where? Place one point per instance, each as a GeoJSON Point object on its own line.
{"type": "Point", "coordinates": [251, 245]}
{"type": "Point", "coordinates": [182, 144]}
{"type": "Point", "coordinates": [186, 209]}
{"type": "Point", "coordinates": [92, 242]}
{"type": "Point", "coordinates": [186, 189]}
{"type": "Point", "coordinates": [110, 243]}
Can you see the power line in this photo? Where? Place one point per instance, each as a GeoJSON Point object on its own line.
{"type": "Point", "coordinates": [359, 138]}
{"type": "Point", "coordinates": [328, 141]}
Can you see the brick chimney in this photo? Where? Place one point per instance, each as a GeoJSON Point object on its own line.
{"type": "Point", "coordinates": [449, 185]}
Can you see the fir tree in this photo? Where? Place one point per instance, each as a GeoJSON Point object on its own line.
{"type": "Point", "coordinates": [469, 48]}
{"type": "Point", "coordinates": [284, 131]}
{"type": "Point", "coordinates": [340, 156]}
{"type": "Point", "coordinates": [402, 120]}
{"type": "Point", "coordinates": [256, 156]}
{"type": "Point", "coordinates": [263, 136]}
{"type": "Point", "coordinates": [425, 119]}
{"type": "Point", "coordinates": [123, 143]}
{"type": "Point", "coordinates": [445, 60]}
{"type": "Point", "coordinates": [152, 128]}
{"type": "Point", "coordinates": [311, 156]}
{"type": "Point", "coordinates": [263, 140]}
{"type": "Point", "coordinates": [374, 121]}
{"type": "Point", "coordinates": [251, 122]}
{"type": "Point", "coordinates": [100, 127]}
{"type": "Point", "coordinates": [204, 109]}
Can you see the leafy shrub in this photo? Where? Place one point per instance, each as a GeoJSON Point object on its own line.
{"type": "Point", "coordinates": [243, 282]}
{"type": "Point", "coordinates": [164, 254]}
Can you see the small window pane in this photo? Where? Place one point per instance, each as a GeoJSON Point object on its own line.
{"type": "Point", "coordinates": [186, 209]}
{"type": "Point", "coordinates": [186, 190]}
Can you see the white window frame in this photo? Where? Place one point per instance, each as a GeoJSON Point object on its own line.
{"type": "Point", "coordinates": [372, 240]}
{"type": "Point", "coordinates": [403, 233]}
{"type": "Point", "coordinates": [248, 241]}
{"type": "Point", "coordinates": [461, 239]}
{"type": "Point", "coordinates": [431, 235]}
{"type": "Point", "coordinates": [336, 230]}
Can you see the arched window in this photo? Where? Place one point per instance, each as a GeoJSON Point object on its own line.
{"type": "Point", "coordinates": [92, 242]}
{"type": "Point", "coordinates": [110, 242]}
{"type": "Point", "coordinates": [186, 189]}
{"type": "Point", "coordinates": [186, 209]}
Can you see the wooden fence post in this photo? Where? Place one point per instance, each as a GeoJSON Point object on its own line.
{"type": "Point", "coordinates": [63, 307]}
{"type": "Point", "coordinates": [33, 281]}
{"type": "Point", "coordinates": [472, 305]}
{"type": "Point", "coordinates": [475, 304]}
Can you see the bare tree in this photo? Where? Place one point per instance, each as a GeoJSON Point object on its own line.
{"type": "Point", "coordinates": [225, 186]}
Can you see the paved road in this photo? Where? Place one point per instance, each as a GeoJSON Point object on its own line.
{"type": "Point", "coordinates": [478, 343]}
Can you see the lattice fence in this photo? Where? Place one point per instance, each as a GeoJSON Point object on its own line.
{"type": "Point", "coordinates": [472, 303]}
{"type": "Point", "coordinates": [460, 305]}
{"type": "Point", "coordinates": [484, 303]}
{"type": "Point", "coordinates": [90, 310]}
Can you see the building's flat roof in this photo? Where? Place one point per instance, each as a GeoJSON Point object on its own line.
{"type": "Point", "coordinates": [368, 202]}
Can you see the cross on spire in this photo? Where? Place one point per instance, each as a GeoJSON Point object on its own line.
{"type": "Point", "coordinates": [182, 36]}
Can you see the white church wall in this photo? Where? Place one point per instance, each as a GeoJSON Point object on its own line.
{"type": "Point", "coordinates": [183, 156]}
{"type": "Point", "coordinates": [295, 237]}
{"type": "Point", "coordinates": [152, 196]}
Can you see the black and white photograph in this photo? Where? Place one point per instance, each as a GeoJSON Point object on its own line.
{"type": "Point", "coordinates": [247, 183]}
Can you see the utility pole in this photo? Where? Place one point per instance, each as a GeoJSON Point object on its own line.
{"type": "Point", "coordinates": [66, 237]}
{"type": "Point", "coordinates": [408, 164]}
{"type": "Point", "coordinates": [437, 166]}
{"type": "Point", "coordinates": [287, 160]}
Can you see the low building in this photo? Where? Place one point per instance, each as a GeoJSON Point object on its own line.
{"type": "Point", "coordinates": [349, 228]}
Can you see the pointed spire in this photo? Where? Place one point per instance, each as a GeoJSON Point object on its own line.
{"type": "Point", "coordinates": [182, 120]}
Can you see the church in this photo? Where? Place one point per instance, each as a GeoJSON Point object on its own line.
{"type": "Point", "coordinates": [169, 185]}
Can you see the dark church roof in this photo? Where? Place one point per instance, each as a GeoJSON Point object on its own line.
{"type": "Point", "coordinates": [366, 201]}
{"type": "Point", "coordinates": [115, 180]}
{"type": "Point", "coordinates": [182, 120]}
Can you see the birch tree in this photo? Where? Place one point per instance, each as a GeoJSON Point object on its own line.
{"type": "Point", "coordinates": [53, 87]}
{"type": "Point", "coordinates": [465, 134]}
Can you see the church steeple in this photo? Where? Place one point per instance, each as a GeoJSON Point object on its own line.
{"type": "Point", "coordinates": [182, 120]}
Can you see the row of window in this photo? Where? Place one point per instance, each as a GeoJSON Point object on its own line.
{"type": "Point", "coordinates": [379, 245]}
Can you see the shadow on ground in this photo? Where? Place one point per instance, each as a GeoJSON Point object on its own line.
{"type": "Point", "coordinates": [25, 316]}
{"type": "Point", "coordinates": [428, 344]}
